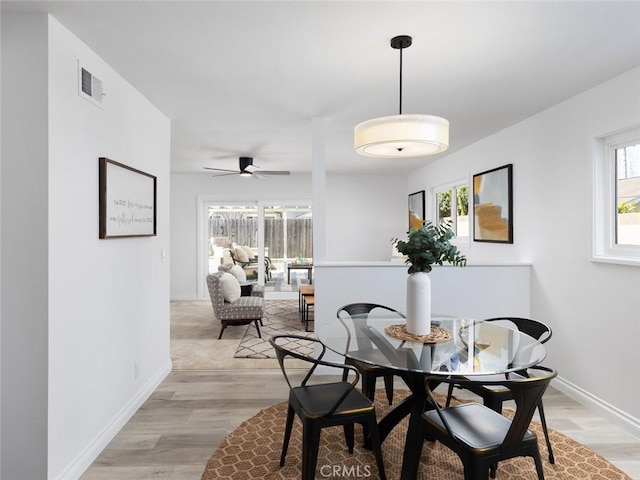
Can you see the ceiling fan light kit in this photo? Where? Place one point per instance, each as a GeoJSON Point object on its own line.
{"type": "Point", "coordinates": [247, 169]}
{"type": "Point", "coordinates": [402, 135]}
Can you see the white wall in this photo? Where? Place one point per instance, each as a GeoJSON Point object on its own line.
{"type": "Point", "coordinates": [364, 212]}
{"type": "Point", "coordinates": [475, 291]}
{"type": "Point", "coordinates": [88, 334]}
{"type": "Point", "coordinates": [25, 253]}
{"type": "Point", "coordinates": [593, 308]}
{"type": "Point", "coordinates": [109, 309]}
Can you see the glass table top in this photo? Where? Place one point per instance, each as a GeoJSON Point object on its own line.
{"type": "Point", "coordinates": [476, 347]}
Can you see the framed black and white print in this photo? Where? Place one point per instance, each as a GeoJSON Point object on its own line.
{"type": "Point", "coordinates": [416, 210]}
{"type": "Point", "coordinates": [493, 205]}
{"type": "Point", "coordinates": [127, 201]}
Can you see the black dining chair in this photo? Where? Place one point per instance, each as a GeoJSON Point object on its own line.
{"type": "Point", "coordinates": [321, 405]}
{"type": "Point", "coordinates": [370, 373]}
{"type": "Point", "coordinates": [494, 395]}
{"type": "Point", "coordinates": [480, 436]}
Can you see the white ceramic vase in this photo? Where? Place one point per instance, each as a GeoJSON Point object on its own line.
{"type": "Point", "coordinates": [419, 304]}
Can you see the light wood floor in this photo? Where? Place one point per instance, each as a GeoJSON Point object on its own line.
{"type": "Point", "coordinates": [175, 432]}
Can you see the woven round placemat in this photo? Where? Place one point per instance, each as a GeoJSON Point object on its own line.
{"type": "Point", "coordinates": [438, 334]}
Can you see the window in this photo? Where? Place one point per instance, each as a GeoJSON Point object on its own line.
{"type": "Point", "coordinates": [452, 204]}
{"type": "Point", "coordinates": [628, 194]}
{"type": "Point", "coordinates": [617, 198]}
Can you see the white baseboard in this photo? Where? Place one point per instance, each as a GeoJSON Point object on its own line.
{"type": "Point", "coordinates": [84, 460]}
{"type": "Point", "coordinates": [613, 414]}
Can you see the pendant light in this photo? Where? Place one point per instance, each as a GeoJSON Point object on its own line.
{"type": "Point", "coordinates": [402, 136]}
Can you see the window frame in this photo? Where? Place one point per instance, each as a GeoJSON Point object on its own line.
{"type": "Point", "coordinates": [604, 223]}
{"type": "Point", "coordinates": [453, 186]}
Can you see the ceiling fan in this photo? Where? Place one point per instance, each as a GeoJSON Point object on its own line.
{"type": "Point", "coordinates": [247, 169]}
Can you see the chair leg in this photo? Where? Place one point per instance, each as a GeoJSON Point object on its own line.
{"type": "Point", "coordinates": [224, 325]}
{"type": "Point", "coordinates": [310, 444]}
{"type": "Point", "coordinates": [474, 470]}
{"type": "Point", "coordinates": [377, 449]}
{"type": "Point", "coordinates": [349, 436]}
{"type": "Point", "coordinates": [493, 404]}
{"type": "Point", "coordinates": [258, 328]}
{"type": "Point", "coordinates": [538, 461]}
{"type": "Point", "coordinates": [449, 395]}
{"type": "Point", "coordinates": [543, 421]}
{"type": "Point", "coordinates": [388, 386]}
{"type": "Point", "coordinates": [287, 434]}
{"type": "Point", "coordinates": [369, 391]}
{"type": "Point", "coordinates": [368, 385]}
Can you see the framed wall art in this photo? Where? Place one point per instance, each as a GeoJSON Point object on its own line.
{"type": "Point", "coordinates": [416, 209]}
{"type": "Point", "coordinates": [493, 205]}
{"type": "Point", "coordinates": [127, 201]}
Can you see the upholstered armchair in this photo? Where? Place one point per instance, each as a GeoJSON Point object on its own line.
{"type": "Point", "coordinates": [229, 307]}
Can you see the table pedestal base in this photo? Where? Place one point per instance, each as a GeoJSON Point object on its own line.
{"type": "Point", "coordinates": [414, 406]}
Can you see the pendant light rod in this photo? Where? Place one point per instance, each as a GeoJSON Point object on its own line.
{"type": "Point", "coordinates": [400, 107]}
{"type": "Point", "coordinates": [400, 43]}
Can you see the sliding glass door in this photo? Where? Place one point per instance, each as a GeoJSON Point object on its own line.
{"type": "Point", "coordinates": [228, 227]}
{"type": "Point", "coordinates": [288, 246]}
{"type": "Point", "coordinates": [279, 237]}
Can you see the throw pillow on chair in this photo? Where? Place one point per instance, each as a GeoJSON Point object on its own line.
{"type": "Point", "coordinates": [230, 287]}
{"type": "Point", "coordinates": [241, 255]}
{"type": "Point", "coordinates": [249, 252]}
{"type": "Point", "coordinates": [239, 273]}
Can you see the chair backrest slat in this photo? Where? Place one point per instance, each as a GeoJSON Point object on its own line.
{"type": "Point", "coordinates": [526, 391]}
{"type": "Point", "coordinates": [282, 353]}
{"type": "Point", "coordinates": [363, 308]}
{"type": "Point", "coordinates": [527, 394]}
{"type": "Point", "coordinates": [533, 328]}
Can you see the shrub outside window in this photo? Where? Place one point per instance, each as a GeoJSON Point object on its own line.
{"type": "Point", "coordinates": [452, 204]}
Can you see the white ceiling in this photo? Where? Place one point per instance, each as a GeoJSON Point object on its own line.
{"type": "Point", "coordinates": [248, 78]}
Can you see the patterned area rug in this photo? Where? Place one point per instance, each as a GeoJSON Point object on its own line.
{"type": "Point", "coordinates": [253, 451]}
{"type": "Point", "coordinates": [281, 316]}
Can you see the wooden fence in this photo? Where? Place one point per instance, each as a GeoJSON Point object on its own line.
{"type": "Point", "coordinates": [244, 231]}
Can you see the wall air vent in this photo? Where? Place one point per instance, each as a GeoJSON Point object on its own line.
{"type": "Point", "coordinates": [89, 87]}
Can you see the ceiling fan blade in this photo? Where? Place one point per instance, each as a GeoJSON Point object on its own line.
{"type": "Point", "coordinates": [220, 169]}
{"type": "Point", "coordinates": [274, 172]}
{"type": "Point", "coordinates": [226, 174]}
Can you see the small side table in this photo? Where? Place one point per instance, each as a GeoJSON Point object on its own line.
{"type": "Point", "coordinates": [300, 266]}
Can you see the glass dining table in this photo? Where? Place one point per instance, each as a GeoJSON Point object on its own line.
{"type": "Point", "coordinates": [462, 346]}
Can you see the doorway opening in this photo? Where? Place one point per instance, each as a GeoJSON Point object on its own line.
{"type": "Point", "coordinates": [278, 237]}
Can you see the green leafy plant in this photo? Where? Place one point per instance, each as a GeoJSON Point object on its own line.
{"type": "Point", "coordinates": [429, 245]}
